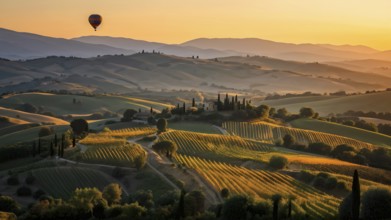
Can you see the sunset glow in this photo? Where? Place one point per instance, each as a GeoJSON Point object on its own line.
{"type": "Point", "coordinates": [305, 21]}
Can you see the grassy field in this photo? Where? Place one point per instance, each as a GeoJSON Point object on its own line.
{"type": "Point", "coordinates": [60, 182]}
{"type": "Point", "coordinates": [271, 133]}
{"type": "Point", "coordinates": [30, 117]}
{"type": "Point", "coordinates": [16, 128]}
{"type": "Point", "coordinates": [343, 130]}
{"type": "Point", "coordinates": [63, 104]}
{"type": "Point", "coordinates": [29, 134]}
{"type": "Point", "coordinates": [324, 105]}
{"type": "Point", "coordinates": [262, 185]}
{"type": "Point", "coordinates": [199, 127]}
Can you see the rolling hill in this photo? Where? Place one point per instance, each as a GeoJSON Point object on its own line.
{"type": "Point", "coordinates": [343, 130]}
{"type": "Point", "coordinates": [156, 72]}
{"type": "Point", "coordinates": [336, 104]}
{"type": "Point", "coordinates": [17, 45]}
{"type": "Point", "coordinates": [30, 117]}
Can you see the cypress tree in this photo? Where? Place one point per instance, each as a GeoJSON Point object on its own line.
{"type": "Point", "coordinates": [356, 196]}
{"type": "Point", "coordinates": [219, 103]}
{"type": "Point", "coordinates": [236, 98]}
{"type": "Point", "coordinates": [51, 149]}
{"type": "Point", "coordinates": [34, 149]}
{"type": "Point", "coordinates": [181, 206]}
{"type": "Point", "coordinates": [39, 146]}
{"type": "Point", "coordinates": [193, 103]}
{"type": "Point", "coordinates": [55, 139]}
{"type": "Point", "coordinates": [151, 110]}
{"type": "Point", "coordinates": [276, 200]}
{"type": "Point", "coordinates": [184, 107]}
{"type": "Point", "coordinates": [232, 104]}
{"type": "Point", "coordinates": [290, 209]}
{"type": "Point", "coordinates": [73, 141]}
{"type": "Point", "coordinates": [244, 104]}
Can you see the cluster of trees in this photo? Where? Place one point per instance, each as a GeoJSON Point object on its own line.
{"type": "Point", "coordinates": [375, 203]}
{"type": "Point", "coordinates": [291, 95]}
{"type": "Point", "coordinates": [379, 157]}
{"type": "Point", "coordinates": [231, 104]}
{"type": "Point", "coordinates": [323, 181]}
{"type": "Point", "coordinates": [371, 114]}
{"type": "Point", "coordinates": [166, 147]}
{"type": "Point", "coordinates": [91, 203]}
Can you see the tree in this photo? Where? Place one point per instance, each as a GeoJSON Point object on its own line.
{"type": "Point", "coordinates": [165, 147]}
{"type": "Point", "coordinates": [85, 199]}
{"type": "Point", "coordinates": [45, 131]}
{"type": "Point", "coordinates": [356, 196]}
{"type": "Point", "coordinates": [7, 204]}
{"type": "Point", "coordinates": [79, 126]}
{"type": "Point", "coordinates": [140, 161]}
{"type": "Point", "coordinates": [99, 209]}
{"type": "Point", "coordinates": [180, 213]}
{"type": "Point", "coordinates": [262, 111]}
{"type": "Point", "coordinates": [27, 107]}
{"type": "Point", "coordinates": [306, 112]}
{"type": "Point", "coordinates": [376, 204]}
{"type": "Point", "coordinates": [161, 125]}
{"type": "Point", "coordinates": [276, 200]}
{"type": "Point", "coordinates": [282, 113]}
{"type": "Point", "coordinates": [112, 193]}
{"type": "Point", "coordinates": [278, 162]}
{"type": "Point", "coordinates": [320, 148]}
{"type": "Point", "coordinates": [340, 149]}
{"type": "Point", "coordinates": [194, 203]}
{"type": "Point", "coordinates": [289, 140]}
{"type": "Point", "coordinates": [128, 115]}
{"type": "Point", "coordinates": [224, 193]}
{"type": "Point", "coordinates": [193, 103]}
{"type": "Point", "coordinates": [235, 208]}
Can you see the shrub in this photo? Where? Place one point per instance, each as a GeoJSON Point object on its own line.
{"type": "Point", "coordinates": [45, 131]}
{"type": "Point", "coordinates": [306, 176]}
{"type": "Point", "coordinates": [13, 180]}
{"type": "Point", "coordinates": [30, 179]}
{"type": "Point", "coordinates": [38, 194]}
{"type": "Point", "coordinates": [320, 148]}
{"type": "Point", "coordinates": [289, 140]}
{"type": "Point", "coordinates": [161, 125]}
{"type": "Point", "coordinates": [376, 204]}
{"type": "Point", "coordinates": [278, 162]}
{"type": "Point", "coordinates": [306, 112]}
{"type": "Point", "coordinates": [24, 191]}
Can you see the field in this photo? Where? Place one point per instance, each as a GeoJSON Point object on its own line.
{"type": "Point", "coordinates": [199, 127]}
{"type": "Point", "coordinates": [343, 130]}
{"type": "Point", "coordinates": [271, 133]}
{"type": "Point", "coordinates": [29, 134]}
{"type": "Point", "coordinates": [366, 102]}
{"type": "Point", "coordinates": [213, 146]}
{"type": "Point", "coordinates": [60, 182]}
{"type": "Point", "coordinates": [30, 117]}
{"type": "Point", "coordinates": [63, 104]}
{"type": "Point", "coordinates": [262, 185]}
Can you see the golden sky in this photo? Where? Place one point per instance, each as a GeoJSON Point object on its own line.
{"type": "Point", "coordinates": [366, 22]}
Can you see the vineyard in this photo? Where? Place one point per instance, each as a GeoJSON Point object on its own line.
{"type": "Point", "coordinates": [271, 133]}
{"type": "Point", "coordinates": [132, 132]}
{"type": "Point", "coordinates": [215, 146]}
{"type": "Point", "coordinates": [60, 182]}
{"type": "Point", "coordinates": [116, 155]}
{"type": "Point", "coordinates": [262, 185]}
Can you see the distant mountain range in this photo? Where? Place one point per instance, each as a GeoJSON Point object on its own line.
{"type": "Point", "coordinates": [17, 45]}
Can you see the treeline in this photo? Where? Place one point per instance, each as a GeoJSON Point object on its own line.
{"type": "Point", "coordinates": [379, 157]}
{"type": "Point", "coordinates": [359, 123]}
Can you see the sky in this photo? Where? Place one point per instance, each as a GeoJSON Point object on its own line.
{"type": "Point", "coordinates": [354, 22]}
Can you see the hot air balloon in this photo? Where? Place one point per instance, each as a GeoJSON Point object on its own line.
{"type": "Point", "coordinates": [95, 20]}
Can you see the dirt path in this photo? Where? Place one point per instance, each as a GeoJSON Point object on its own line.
{"type": "Point", "coordinates": [191, 177]}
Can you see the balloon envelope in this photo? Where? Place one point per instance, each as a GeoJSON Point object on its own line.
{"type": "Point", "coordinates": [95, 20]}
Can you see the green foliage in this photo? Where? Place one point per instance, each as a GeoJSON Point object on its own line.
{"type": "Point", "coordinates": [24, 191]}
{"type": "Point", "coordinates": [143, 197]}
{"type": "Point", "coordinates": [79, 126]}
{"type": "Point", "coordinates": [194, 203]}
{"type": "Point", "coordinates": [376, 204]}
{"type": "Point", "coordinates": [140, 161]}
{"type": "Point", "coordinates": [161, 125]}
{"type": "Point", "coordinates": [306, 112]}
{"type": "Point", "coordinates": [7, 204]}
{"type": "Point", "coordinates": [85, 198]}
{"type": "Point", "coordinates": [13, 180]}
{"type": "Point", "coordinates": [224, 193]}
{"type": "Point", "coordinates": [112, 193]}
{"type": "Point", "coordinates": [288, 140]}
{"type": "Point", "coordinates": [262, 111]}
{"type": "Point", "coordinates": [320, 148]}
{"type": "Point", "coordinates": [128, 115]}
{"type": "Point", "coordinates": [278, 162]}
{"type": "Point", "coordinates": [165, 147]}
{"type": "Point", "coordinates": [235, 208]}
{"type": "Point", "coordinates": [45, 131]}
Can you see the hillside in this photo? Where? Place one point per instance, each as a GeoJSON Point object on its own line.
{"type": "Point", "coordinates": [30, 117]}
{"type": "Point", "coordinates": [156, 72]}
{"type": "Point", "coordinates": [343, 130]}
{"type": "Point", "coordinates": [16, 45]}
{"type": "Point", "coordinates": [63, 104]}
{"type": "Point", "coordinates": [328, 104]}
{"type": "Point", "coordinates": [288, 51]}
